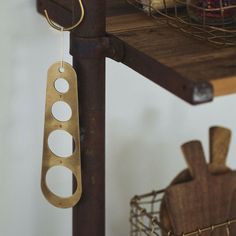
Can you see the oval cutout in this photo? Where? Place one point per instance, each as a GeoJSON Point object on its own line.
{"type": "Point", "coordinates": [61, 85]}
{"type": "Point", "coordinates": [61, 111]}
{"type": "Point", "coordinates": [59, 181]}
{"type": "Point", "coordinates": [60, 143]}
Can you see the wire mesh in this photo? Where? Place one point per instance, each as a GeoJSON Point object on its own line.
{"type": "Point", "coordinates": [145, 218]}
{"type": "Point", "coordinates": [214, 24]}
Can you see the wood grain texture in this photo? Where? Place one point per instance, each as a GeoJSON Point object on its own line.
{"type": "Point", "coordinates": [232, 214]}
{"type": "Point", "coordinates": [203, 201]}
{"type": "Point", "coordinates": [224, 88]}
{"type": "Point", "coordinates": [219, 139]}
{"type": "Point", "coordinates": [187, 206]}
{"type": "Point", "coordinates": [191, 58]}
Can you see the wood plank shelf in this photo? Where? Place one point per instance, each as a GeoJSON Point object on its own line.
{"type": "Point", "coordinates": [191, 69]}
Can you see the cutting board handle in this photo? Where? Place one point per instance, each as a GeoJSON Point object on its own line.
{"type": "Point", "coordinates": [219, 139]}
{"type": "Point", "coordinates": [194, 155]}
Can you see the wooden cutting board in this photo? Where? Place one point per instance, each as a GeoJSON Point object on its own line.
{"type": "Point", "coordinates": [203, 201]}
{"type": "Point", "coordinates": [219, 139]}
{"type": "Point", "coordinates": [232, 214]}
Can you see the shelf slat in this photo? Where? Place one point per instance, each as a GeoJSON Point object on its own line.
{"type": "Point", "coordinates": [195, 60]}
{"type": "Point", "coordinates": [191, 69]}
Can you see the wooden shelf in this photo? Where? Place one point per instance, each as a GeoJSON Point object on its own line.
{"type": "Point", "coordinates": [193, 70]}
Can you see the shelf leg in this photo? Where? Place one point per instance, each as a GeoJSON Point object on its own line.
{"type": "Point", "coordinates": [89, 214]}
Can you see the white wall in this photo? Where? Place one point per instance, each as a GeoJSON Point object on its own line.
{"type": "Point", "coordinates": [145, 128]}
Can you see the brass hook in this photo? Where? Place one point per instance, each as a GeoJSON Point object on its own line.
{"type": "Point", "coordinates": [59, 28]}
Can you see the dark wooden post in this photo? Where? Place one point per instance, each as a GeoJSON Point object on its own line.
{"type": "Point", "coordinates": [89, 62]}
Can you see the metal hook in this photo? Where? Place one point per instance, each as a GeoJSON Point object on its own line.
{"type": "Point", "coordinates": [60, 28]}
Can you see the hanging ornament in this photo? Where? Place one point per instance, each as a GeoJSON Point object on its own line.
{"type": "Point", "coordinates": [62, 72]}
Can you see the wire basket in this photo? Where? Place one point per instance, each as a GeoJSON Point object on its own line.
{"type": "Point", "coordinates": [145, 218]}
{"type": "Point", "coordinates": [176, 14]}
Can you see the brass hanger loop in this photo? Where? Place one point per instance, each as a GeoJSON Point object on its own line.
{"type": "Point", "coordinates": [60, 28]}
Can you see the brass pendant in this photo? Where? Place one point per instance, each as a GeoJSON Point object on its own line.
{"type": "Point", "coordinates": [70, 125]}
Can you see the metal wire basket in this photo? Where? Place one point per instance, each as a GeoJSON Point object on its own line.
{"type": "Point", "coordinates": [145, 218]}
{"type": "Point", "coordinates": [176, 14]}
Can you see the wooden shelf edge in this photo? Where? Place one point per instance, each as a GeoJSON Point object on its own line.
{"type": "Point", "coordinates": [189, 91]}
{"type": "Point", "coordinates": [225, 87]}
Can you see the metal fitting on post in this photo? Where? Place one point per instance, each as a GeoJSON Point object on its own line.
{"type": "Point", "coordinates": [107, 46]}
